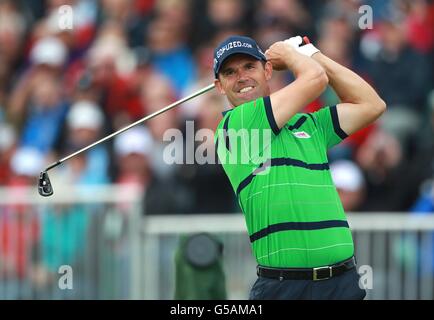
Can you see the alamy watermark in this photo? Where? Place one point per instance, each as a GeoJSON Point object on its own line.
{"type": "Point", "coordinates": [242, 146]}
{"type": "Point", "coordinates": [66, 280]}
{"type": "Point", "coordinates": [66, 17]}
{"type": "Point", "coordinates": [366, 280]}
{"type": "Point", "coordinates": [366, 20]}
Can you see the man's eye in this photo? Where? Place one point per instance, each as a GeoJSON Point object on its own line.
{"type": "Point", "coordinates": [250, 66]}
{"type": "Point", "coordinates": [229, 72]}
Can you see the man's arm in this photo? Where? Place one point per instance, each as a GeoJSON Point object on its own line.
{"type": "Point", "coordinates": [360, 104]}
{"type": "Point", "coordinates": [311, 80]}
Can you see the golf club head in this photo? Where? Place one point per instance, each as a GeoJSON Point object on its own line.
{"type": "Point", "coordinates": [44, 186]}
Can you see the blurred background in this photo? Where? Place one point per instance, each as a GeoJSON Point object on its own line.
{"type": "Point", "coordinates": [119, 209]}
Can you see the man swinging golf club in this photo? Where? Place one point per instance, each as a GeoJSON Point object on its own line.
{"type": "Point", "coordinates": [297, 226]}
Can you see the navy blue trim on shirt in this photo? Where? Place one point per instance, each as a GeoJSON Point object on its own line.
{"type": "Point", "coordinates": [270, 115]}
{"type": "Point", "coordinates": [313, 119]}
{"type": "Point", "coordinates": [226, 111]}
{"type": "Point", "coordinates": [298, 124]}
{"type": "Point", "coordinates": [281, 162]}
{"type": "Point", "coordinates": [225, 133]}
{"type": "Point", "coordinates": [244, 183]}
{"type": "Point", "coordinates": [287, 226]}
{"type": "Point", "coordinates": [298, 163]}
{"type": "Point", "coordinates": [336, 125]}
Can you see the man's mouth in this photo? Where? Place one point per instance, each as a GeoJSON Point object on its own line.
{"type": "Point", "coordinates": [246, 89]}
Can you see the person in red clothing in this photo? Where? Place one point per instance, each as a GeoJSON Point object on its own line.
{"type": "Point", "coordinates": [420, 26]}
{"type": "Point", "coordinates": [19, 227]}
{"type": "Point", "coordinates": [7, 149]}
{"type": "Point", "coordinates": [107, 75]}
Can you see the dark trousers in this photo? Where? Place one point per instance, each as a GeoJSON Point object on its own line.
{"type": "Point", "coordinates": [342, 287]}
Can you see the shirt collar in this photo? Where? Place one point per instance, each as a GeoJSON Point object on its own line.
{"type": "Point", "coordinates": [226, 111]}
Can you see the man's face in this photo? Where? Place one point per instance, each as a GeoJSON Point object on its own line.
{"type": "Point", "coordinates": [243, 78]}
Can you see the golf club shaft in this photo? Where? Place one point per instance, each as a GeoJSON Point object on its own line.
{"type": "Point", "coordinates": [152, 115]}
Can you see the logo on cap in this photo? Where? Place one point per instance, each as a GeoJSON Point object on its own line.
{"type": "Point", "coordinates": [234, 45]}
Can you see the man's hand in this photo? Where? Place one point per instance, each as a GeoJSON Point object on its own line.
{"type": "Point", "coordinates": [308, 49]}
{"type": "Point", "coordinates": [310, 81]}
{"type": "Point", "coordinates": [281, 55]}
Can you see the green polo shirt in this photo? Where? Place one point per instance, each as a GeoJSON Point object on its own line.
{"type": "Point", "coordinates": [283, 184]}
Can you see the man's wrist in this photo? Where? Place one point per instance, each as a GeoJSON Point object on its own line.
{"type": "Point", "coordinates": [308, 49]}
{"type": "Point", "coordinates": [302, 45]}
{"type": "Point", "coordinates": [318, 57]}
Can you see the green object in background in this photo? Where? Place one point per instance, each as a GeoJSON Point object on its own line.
{"type": "Point", "coordinates": [199, 268]}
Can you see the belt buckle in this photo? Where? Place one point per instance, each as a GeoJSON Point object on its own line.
{"type": "Point", "coordinates": [320, 269]}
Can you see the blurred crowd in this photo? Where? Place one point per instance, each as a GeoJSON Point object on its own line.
{"type": "Point", "coordinates": [62, 89]}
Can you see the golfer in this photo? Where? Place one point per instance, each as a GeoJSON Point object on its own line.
{"type": "Point", "coordinates": [297, 226]}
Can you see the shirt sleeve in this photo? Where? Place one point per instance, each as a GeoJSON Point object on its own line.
{"type": "Point", "coordinates": [327, 121]}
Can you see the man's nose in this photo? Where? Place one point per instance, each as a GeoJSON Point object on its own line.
{"type": "Point", "coordinates": [241, 76]}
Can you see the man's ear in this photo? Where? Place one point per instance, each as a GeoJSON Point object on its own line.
{"type": "Point", "coordinates": [219, 87]}
{"type": "Point", "coordinates": [268, 70]}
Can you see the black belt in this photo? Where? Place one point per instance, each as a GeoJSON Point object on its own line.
{"type": "Point", "coordinates": [320, 273]}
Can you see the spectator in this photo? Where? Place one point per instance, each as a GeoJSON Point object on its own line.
{"type": "Point", "coordinates": [48, 57]}
{"type": "Point", "coordinates": [7, 150]}
{"type": "Point", "coordinates": [420, 170]}
{"type": "Point", "coordinates": [402, 77]}
{"type": "Point", "coordinates": [124, 13]}
{"type": "Point", "coordinates": [65, 228]}
{"type": "Point", "coordinates": [13, 27]}
{"type": "Point", "coordinates": [165, 183]}
{"type": "Point", "coordinates": [83, 126]}
{"type": "Point", "coordinates": [157, 92]}
{"type": "Point", "coordinates": [63, 237]}
{"type": "Point", "coordinates": [281, 19]}
{"type": "Point", "coordinates": [386, 172]}
{"type": "Point", "coordinates": [133, 150]}
{"type": "Point", "coordinates": [206, 181]}
{"type": "Point", "coordinates": [350, 184]}
{"type": "Point", "coordinates": [46, 114]}
{"type": "Point", "coordinates": [170, 54]}
{"type": "Point", "coordinates": [110, 62]}
{"type": "Point", "coordinates": [420, 23]}
{"type": "Point", "coordinates": [219, 15]}
{"type": "Point", "coordinates": [19, 227]}
{"type": "Point", "coordinates": [425, 203]}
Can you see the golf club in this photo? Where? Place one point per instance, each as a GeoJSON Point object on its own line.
{"type": "Point", "coordinates": [44, 185]}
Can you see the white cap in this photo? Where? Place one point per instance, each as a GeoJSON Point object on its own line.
{"type": "Point", "coordinates": [135, 140]}
{"type": "Point", "coordinates": [85, 115]}
{"type": "Point", "coordinates": [49, 50]}
{"type": "Point", "coordinates": [347, 175]}
{"type": "Point", "coordinates": [27, 161]}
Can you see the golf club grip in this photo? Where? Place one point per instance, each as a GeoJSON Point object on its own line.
{"type": "Point", "coordinates": [150, 116]}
